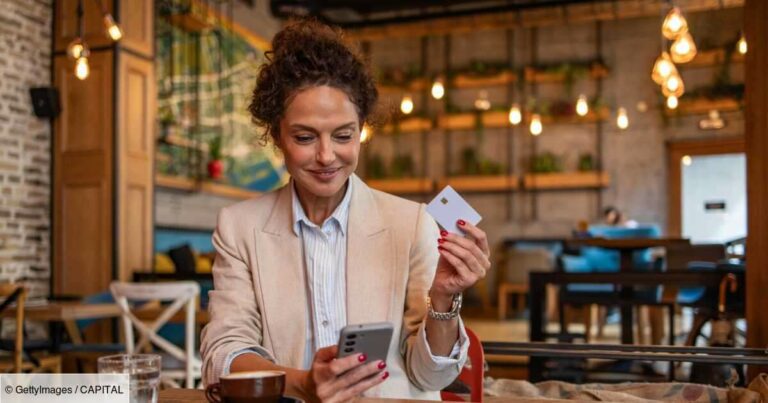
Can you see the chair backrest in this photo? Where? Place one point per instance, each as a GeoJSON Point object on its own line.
{"type": "Point", "coordinates": [472, 375]}
{"type": "Point", "coordinates": [180, 294]}
{"type": "Point", "coordinates": [18, 294]}
{"type": "Point", "coordinates": [679, 257]}
{"type": "Point", "coordinates": [520, 262]}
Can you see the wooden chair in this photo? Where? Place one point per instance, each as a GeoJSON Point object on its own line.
{"type": "Point", "coordinates": [17, 364]}
{"type": "Point", "coordinates": [180, 294]}
{"type": "Point", "coordinates": [513, 276]}
{"type": "Point", "coordinates": [472, 375]}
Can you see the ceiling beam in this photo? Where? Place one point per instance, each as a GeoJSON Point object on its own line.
{"type": "Point", "coordinates": [570, 14]}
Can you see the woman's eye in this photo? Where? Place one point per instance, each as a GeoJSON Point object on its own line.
{"type": "Point", "coordinates": [346, 136]}
{"type": "Point", "coordinates": [304, 139]}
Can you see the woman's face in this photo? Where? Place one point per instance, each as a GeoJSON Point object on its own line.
{"type": "Point", "coordinates": [320, 139]}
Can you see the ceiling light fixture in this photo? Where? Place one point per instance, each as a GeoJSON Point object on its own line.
{"type": "Point", "coordinates": [515, 116]}
{"type": "Point", "coordinates": [674, 24]}
{"type": "Point", "coordinates": [683, 49]}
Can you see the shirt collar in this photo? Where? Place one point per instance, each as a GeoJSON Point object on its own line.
{"type": "Point", "coordinates": [340, 215]}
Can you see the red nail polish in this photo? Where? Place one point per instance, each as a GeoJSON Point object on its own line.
{"type": "Point", "coordinates": [443, 233]}
{"type": "Point", "coordinates": [441, 240]}
{"type": "Point", "coordinates": [462, 222]}
{"type": "Point", "coordinates": [385, 376]}
{"type": "Point", "coordinates": [362, 358]}
{"type": "Point", "coordinates": [440, 247]}
{"type": "Point", "coordinates": [382, 365]}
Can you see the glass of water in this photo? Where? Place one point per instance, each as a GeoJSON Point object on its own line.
{"type": "Point", "coordinates": [142, 369]}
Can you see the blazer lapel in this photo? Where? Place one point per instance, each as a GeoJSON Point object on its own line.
{"type": "Point", "coordinates": [370, 259]}
{"type": "Point", "coordinates": [282, 282]}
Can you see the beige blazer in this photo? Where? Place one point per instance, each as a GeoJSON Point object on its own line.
{"type": "Point", "coordinates": [259, 296]}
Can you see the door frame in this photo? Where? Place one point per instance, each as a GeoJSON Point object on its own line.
{"type": "Point", "coordinates": [676, 150]}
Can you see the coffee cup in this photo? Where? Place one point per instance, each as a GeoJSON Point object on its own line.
{"type": "Point", "coordinates": [248, 387]}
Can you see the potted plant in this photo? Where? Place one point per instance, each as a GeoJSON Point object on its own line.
{"type": "Point", "coordinates": [215, 164]}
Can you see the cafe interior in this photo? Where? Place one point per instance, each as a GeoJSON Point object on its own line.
{"type": "Point", "coordinates": [616, 150]}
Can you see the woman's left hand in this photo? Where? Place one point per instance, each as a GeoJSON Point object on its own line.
{"type": "Point", "coordinates": [463, 260]}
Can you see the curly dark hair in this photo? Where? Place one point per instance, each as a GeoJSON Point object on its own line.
{"type": "Point", "coordinates": [307, 53]}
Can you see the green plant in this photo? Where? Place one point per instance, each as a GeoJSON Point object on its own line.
{"type": "Point", "coordinates": [214, 148]}
{"type": "Point", "coordinates": [546, 163]}
{"type": "Point", "coordinates": [473, 164]}
{"type": "Point", "coordinates": [586, 162]}
{"type": "Point", "coordinates": [375, 168]}
{"type": "Point", "coordinates": [402, 166]}
{"type": "Point", "coordinates": [470, 163]}
{"type": "Point", "coordinates": [165, 116]}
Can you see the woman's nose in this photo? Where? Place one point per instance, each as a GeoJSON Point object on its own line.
{"type": "Point", "coordinates": [325, 153]}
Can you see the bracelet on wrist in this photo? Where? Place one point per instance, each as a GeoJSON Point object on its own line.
{"type": "Point", "coordinates": [452, 314]}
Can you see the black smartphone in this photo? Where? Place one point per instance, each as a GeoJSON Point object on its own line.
{"type": "Point", "coordinates": [371, 339]}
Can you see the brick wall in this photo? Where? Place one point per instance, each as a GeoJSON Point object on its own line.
{"type": "Point", "coordinates": [25, 141]}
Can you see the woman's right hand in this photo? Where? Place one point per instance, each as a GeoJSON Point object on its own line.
{"type": "Point", "coordinates": [333, 380]}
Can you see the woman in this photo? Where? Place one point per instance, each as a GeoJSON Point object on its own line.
{"type": "Point", "coordinates": [296, 265]}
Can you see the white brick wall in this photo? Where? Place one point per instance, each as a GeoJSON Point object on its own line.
{"type": "Point", "coordinates": [25, 176]}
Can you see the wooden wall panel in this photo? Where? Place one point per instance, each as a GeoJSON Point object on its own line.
{"type": "Point", "coordinates": [95, 33]}
{"type": "Point", "coordinates": [135, 136]}
{"type": "Point", "coordinates": [136, 20]}
{"type": "Point", "coordinates": [82, 189]}
{"type": "Point", "coordinates": [756, 97]}
{"type": "Point", "coordinates": [86, 260]}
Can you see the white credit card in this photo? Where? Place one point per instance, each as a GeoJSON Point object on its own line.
{"type": "Point", "coordinates": [447, 208]}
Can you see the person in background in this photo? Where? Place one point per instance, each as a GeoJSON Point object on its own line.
{"type": "Point", "coordinates": [295, 265]}
{"type": "Point", "coordinates": [613, 217]}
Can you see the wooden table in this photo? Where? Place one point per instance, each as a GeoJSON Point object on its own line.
{"type": "Point", "coordinates": [66, 313]}
{"type": "Point", "coordinates": [198, 396]}
{"type": "Point", "coordinates": [538, 282]}
{"type": "Point", "coordinates": [626, 248]}
{"type": "Point", "coordinates": [202, 317]}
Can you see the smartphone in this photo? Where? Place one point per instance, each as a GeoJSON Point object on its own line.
{"type": "Point", "coordinates": [372, 339]}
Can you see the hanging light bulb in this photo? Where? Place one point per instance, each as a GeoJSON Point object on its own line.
{"type": "Point", "coordinates": [438, 90]}
{"type": "Point", "coordinates": [687, 160]}
{"type": "Point", "coordinates": [406, 105]}
{"type": "Point", "coordinates": [515, 116]}
{"type": "Point", "coordinates": [683, 48]}
{"type": "Point", "coordinates": [113, 30]}
{"type": "Point", "coordinates": [582, 107]}
{"type": "Point", "coordinates": [76, 48]}
{"type": "Point", "coordinates": [673, 86]}
{"type": "Point", "coordinates": [82, 70]}
{"type": "Point", "coordinates": [622, 121]}
{"type": "Point", "coordinates": [742, 44]}
{"type": "Point", "coordinates": [672, 102]}
{"type": "Point", "coordinates": [663, 68]}
{"type": "Point", "coordinates": [482, 103]}
{"type": "Point", "coordinates": [365, 134]}
{"type": "Point", "coordinates": [536, 126]}
{"type": "Point", "coordinates": [674, 24]}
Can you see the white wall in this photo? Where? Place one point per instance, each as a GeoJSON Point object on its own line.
{"type": "Point", "coordinates": [715, 178]}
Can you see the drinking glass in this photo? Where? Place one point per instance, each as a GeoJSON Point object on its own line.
{"type": "Point", "coordinates": [143, 371]}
